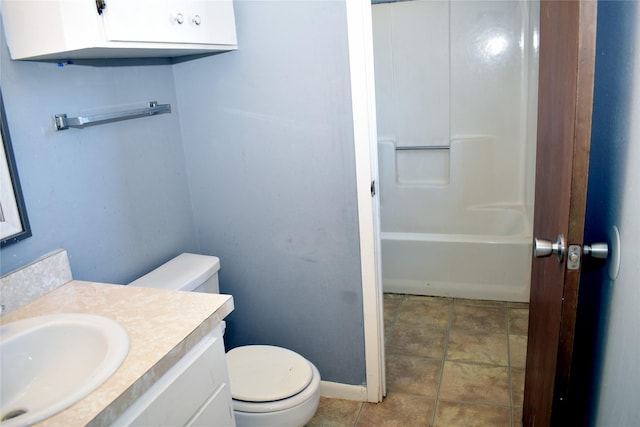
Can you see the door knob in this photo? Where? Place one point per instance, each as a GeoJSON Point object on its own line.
{"type": "Point", "coordinates": [596, 250]}
{"type": "Point", "coordinates": [544, 248]}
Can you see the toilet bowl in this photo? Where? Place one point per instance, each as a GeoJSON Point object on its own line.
{"type": "Point", "coordinates": [270, 386]}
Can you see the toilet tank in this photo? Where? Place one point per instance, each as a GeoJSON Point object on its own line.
{"type": "Point", "coordinates": [186, 272]}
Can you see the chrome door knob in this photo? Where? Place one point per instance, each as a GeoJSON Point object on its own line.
{"type": "Point", "coordinates": [544, 248]}
{"type": "Point", "coordinates": [596, 250]}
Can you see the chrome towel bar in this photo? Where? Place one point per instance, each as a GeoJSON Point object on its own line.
{"type": "Point", "coordinates": [63, 122]}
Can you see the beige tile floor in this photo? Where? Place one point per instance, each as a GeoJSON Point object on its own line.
{"type": "Point", "coordinates": [450, 362]}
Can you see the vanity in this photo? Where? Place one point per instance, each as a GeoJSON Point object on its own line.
{"type": "Point", "coordinates": [174, 372]}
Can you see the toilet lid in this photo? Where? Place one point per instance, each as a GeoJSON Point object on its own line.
{"type": "Point", "coordinates": [264, 373]}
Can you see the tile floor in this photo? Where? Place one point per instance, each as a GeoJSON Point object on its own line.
{"type": "Point", "coordinates": [450, 362]}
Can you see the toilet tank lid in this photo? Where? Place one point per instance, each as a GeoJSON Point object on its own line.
{"type": "Point", "coordinates": [183, 273]}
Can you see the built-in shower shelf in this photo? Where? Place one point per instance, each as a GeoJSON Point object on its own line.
{"type": "Point", "coordinates": [422, 147]}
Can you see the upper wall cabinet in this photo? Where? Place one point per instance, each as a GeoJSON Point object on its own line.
{"type": "Point", "coordinates": [87, 29]}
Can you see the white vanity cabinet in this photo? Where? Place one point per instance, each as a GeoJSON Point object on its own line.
{"type": "Point", "coordinates": [194, 392]}
{"type": "Point", "coordinates": [87, 29]}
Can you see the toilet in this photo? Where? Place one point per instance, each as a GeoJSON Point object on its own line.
{"type": "Point", "coordinates": [270, 386]}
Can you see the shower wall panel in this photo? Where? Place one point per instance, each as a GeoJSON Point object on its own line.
{"type": "Point", "coordinates": [411, 44]}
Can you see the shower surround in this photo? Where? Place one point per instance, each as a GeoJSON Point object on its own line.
{"type": "Point", "coordinates": [456, 88]}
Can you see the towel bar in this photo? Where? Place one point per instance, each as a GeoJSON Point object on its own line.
{"type": "Point", "coordinates": [63, 122]}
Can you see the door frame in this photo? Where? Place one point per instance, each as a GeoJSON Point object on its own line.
{"type": "Point", "coordinates": [365, 136]}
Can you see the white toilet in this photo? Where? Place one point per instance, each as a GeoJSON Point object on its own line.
{"type": "Point", "coordinates": [270, 386]}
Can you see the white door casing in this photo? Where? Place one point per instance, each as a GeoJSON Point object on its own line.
{"type": "Point", "coordinates": [360, 35]}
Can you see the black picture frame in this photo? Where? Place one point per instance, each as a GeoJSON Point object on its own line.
{"type": "Point", "coordinates": [18, 228]}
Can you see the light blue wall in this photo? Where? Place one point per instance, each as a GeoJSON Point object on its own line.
{"type": "Point", "coordinates": [269, 146]}
{"type": "Point", "coordinates": [267, 135]}
{"type": "Point", "coordinates": [615, 200]}
{"type": "Point", "coordinates": [115, 196]}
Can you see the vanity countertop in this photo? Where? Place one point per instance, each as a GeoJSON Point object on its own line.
{"type": "Point", "coordinates": [163, 326]}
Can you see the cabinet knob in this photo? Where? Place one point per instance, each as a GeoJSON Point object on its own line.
{"type": "Point", "coordinates": [179, 18]}
{"type": "Point", "coordinates": [197, 20]}
{"type": "Point", "coordinates": [100, 5]}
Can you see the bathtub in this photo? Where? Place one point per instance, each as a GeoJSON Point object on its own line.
{"type": "Point", "coordinates": [475, 253]}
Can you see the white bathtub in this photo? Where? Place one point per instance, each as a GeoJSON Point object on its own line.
{"type": "Point", "coordinates": [473, 253]}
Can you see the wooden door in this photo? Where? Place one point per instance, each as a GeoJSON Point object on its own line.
{"type": "Point", "coordinates": [567, 60]}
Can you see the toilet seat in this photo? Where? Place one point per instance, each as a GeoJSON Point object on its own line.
{"type": "Point", "coordinates": [269, 378]}
{"type": "Point", "coordinates": [264, 373]}
{"type": "Point", "coordinates": [308, 396]}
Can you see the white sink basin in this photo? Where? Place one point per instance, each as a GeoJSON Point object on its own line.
{"type": "Point", "coordinates": [48, 363]}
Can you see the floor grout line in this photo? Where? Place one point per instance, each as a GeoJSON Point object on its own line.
{"type": "Point", "coordinates": [444, 358]}
{"type": "Point", "coordinates": [509, 379]}
{"type": "Point", "coordinates": [394, 321]}
{"type": "Point", "coordinates": [355, 422]}
{"type": "Point", "coordinates": [476, 402]}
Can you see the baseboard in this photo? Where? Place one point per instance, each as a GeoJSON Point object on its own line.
{"type": "Point", "coordinates": [343, 391]}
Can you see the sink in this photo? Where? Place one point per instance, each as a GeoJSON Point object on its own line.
{"type": "Point", "coordinates": [48, 363]}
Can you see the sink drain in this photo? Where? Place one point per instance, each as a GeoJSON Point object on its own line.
{"type": "Point", "coordinates": [13, 414]}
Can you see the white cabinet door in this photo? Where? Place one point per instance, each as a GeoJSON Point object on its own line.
{"type": "Point", "coordinates": [195, 388]}
{"type": "Point", "coordinates": [76, 29]}
{"type": "Point", "coordinates": [218, 411]}
{"type": "Point", "coordinates": [170, 21]}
